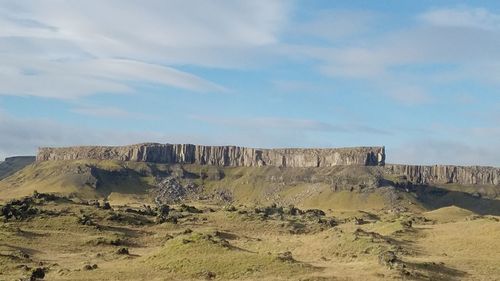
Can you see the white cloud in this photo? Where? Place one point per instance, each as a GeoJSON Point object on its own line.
{"type": "Point", "coordinates": [406, 63]}
{"type": "Point", "coordinates": [76, 78]}
{"type": "Point", "coordinates": [296, 86]}
{"type": "Point", "coordinates": [69, 49]}
{"type": "Point", "coordinates": [335, 25]}
{"type": "Point", "coordinates": [23, 136]}
{"type": "Point", "coordinates": [406, 94]}
{"type": "Point", "coordinates": [107, 111]}
{"type": "Point", "coordinates": [166, 31]}
{"type": "Point", "coordinates": [432, 152]}
{"type": "Point", "coordinates": [289, 124]}
{"type": "Point", "coordinates": [462, 17]}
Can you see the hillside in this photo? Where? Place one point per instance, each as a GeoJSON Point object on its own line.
{"type": "Point", "coordinates": [127, 220]}
{"type": "Point", "coordinates": [119, 180]}
{"type": "Point", "coordinates": [346, 187]}
{"type": "Point", "coordinates": [14, 164]}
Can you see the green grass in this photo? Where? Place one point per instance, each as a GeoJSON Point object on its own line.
{"type": "Point", "coordinates": [192, 255]}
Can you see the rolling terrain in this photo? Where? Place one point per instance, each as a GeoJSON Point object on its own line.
{"type": "Point", "coordinates": [122, 220]}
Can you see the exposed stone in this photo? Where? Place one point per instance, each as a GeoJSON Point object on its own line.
{"type": "Point", "coordinates": [288, 157]}
{"type": "Point", "coordinates": [19, 209]}
{"type": "Point", "coordinates": [38, 273]}
{"type": "Point", "coordinates": [441, 174]}
{"type": "Point", "coordinates": [90, 267]}
{"type": "Point", "coordinates": [388, 258]}
{"type": "Point", "coordinates": [170, 190]}
{"type": "Point", "coordinates": [220, 155]}
{"type": "Point", "coordinates": [122, 251]}
{"type": "Point", "coordinates": [286, 257]}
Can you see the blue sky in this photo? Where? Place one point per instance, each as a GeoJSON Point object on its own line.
{"type": "Point", "coordinates": [420, 77]}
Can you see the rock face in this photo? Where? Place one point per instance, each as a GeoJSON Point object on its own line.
{"type": "Point", "coordinates": [288, 157]}
{"type": "Point", "coordinates": [441, 174]}
{"type": "Point", "coordinates": [221, 155]}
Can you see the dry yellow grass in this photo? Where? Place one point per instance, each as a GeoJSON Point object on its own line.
{"type": "Point", "coordinates": [449, 243]}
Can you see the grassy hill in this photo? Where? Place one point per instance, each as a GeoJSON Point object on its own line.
{"type": "Point", "coordinates": [241, 223]}
{"type": "Point", "coordinates": [14, 164]}
{"type": "Point", "coordinates": [341, 187]}
{"type": "Point", "coordinates": [349, 188]}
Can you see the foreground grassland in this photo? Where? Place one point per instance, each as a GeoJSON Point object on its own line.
{"type": "Point", "coordinates": [71, 239]}
{"type": "Point", "coordinates": [105, 220]}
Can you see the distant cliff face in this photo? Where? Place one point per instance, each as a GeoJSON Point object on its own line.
{"type": "Point", "coordinates": [442, 174]}
{"type": "Point", "coordinates": [220, 155]}
{"type": "Point", "coordinates": [14, 164]}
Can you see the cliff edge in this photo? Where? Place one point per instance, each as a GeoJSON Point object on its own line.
{"type": "Point", "coordinates": [445, 174]}
{"type": "Point", "coordinates": [220, 155]}
{"type": "Point", "coordinates": [284, 157]}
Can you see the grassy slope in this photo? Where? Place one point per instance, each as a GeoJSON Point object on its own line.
{"type": "Point", "coordinates": [14, 164]}
{"type": "Point", "coordinates": [470, 249]}
{"type": "Point", "coordinates": [128, 182]}
{"type": "Point", "coordinates": [466, 244]}
{"type": "Point", "coordinates": [242, 246]}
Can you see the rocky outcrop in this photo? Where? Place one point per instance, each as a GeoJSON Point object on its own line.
{"type": "Point", "coordinates": [442, 174]}
{"type": "Point", "coordinates": [220, 155]}
{"type": "Point", "coordinates": [286, 157]}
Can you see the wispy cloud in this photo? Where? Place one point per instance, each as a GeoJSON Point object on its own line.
{"type": "Point", "coordinates": [443, 46]}
{"type": "Point", "coordinates": [294, 86]}
{"type": "Point", "coordinates": [433, 151]}
{"type": "Point", "coordinates": [293, 124]}
{"type": "Point", "coordinates": [462, 17]}
{"type": "Point", "coordinates": [22, 136]}
{"type": "Point", "coordinates": [107, 111]}
{"type": "Point", "coordinates": [334, 25]}
{"type": "Point", "coordinates": [70, 49]}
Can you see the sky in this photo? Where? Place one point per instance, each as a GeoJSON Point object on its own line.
{"type": "Point", "coordinates": [421, 77]}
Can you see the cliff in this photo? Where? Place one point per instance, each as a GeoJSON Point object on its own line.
{"type": "Point", "coordinates": [442, 174]}
{"type": "Point", "coordinates": [220, 155]}
{"type": "Point", "coordinates": [287, 157]}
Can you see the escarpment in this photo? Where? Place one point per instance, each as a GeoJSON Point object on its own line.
{"type": "Point", "coordinates": [443, 174]}
{"type": "Point", "coordinates": [287, 157]}
{"type": "Point", "coordinates": [221, 155]}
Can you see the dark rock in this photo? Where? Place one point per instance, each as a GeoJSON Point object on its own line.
{"type": "Point", "coordinates": [231, 208]}
{"type": "Point", "coordinates": [19, 209]}
{"type": "Point", "coordinates": [359, 221]}
{"type": "Point", "coordinates": [45, 196]}
{"type": "Point", "coordinates": [208, 275]}
{"type": "Point", "coordinates": [94, 203]}
{"type": "Point", "coordinates": [90, 267]}
{"type": "Point", "coordinates": [388, 258]}
{"type": "Point", "coordinates": [122, 251]}
{"type": "Point", "coordinates": [37, 273]}
{"type": "Point", "coordinates": [163, 210]}
{"type": "Point", "coordinates": [85, 220]}
{"type": "Point", "coordinates": [286, 257]}
{"type": "Point", "coordinates": [315, 212]}
{"type": "Point", "coordinates": [189, 209]}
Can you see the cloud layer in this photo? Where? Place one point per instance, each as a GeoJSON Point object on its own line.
{"type": "Point", "coordinates": [426, 84]}
{"type": "Point", "coordinates": [70, 49]}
